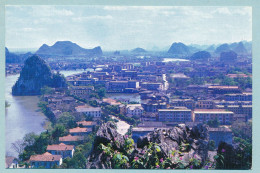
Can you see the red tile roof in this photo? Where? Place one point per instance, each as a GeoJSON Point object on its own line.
{"type": "Point", "coordinates": [60, 147]}
{"type": "Point", "coordinates": [86, 123]}
{"type": "Point", "coordinates": [69, 138]}
{"type": "Point", "coordinates": [238, 75]}
{"type": "Point", "coordinates": [46, 157]}
{"type": "Point", "coordinates": [78, 130]}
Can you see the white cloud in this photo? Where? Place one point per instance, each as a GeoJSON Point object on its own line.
{"type": "Point", "coordinates": [115, 8]}
{"type": "Point", "coordinates": [244, 11]}
{"type": "Point", "coordinates": [121, 27]}
{"type": "Point", "coordinates": [222, 10]}
{"type": "Point", "coordinates": [50, 11]}
{"type": "Point", "coordinates": [63, 12]}
{"type": "Point", "coordinates": [94, 17]}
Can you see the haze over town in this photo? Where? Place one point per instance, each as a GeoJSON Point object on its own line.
{"type": "Point", "coordinates": [122, 27]}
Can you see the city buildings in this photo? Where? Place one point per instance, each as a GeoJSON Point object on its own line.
{"type": "Point", "coordinates": [89, 111]}
{"type": "Point", "coordinates": [175, 115]}
{"type": "Point", "coordinates": [204, 115]}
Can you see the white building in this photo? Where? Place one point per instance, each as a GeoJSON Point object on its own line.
{"type": "Point", "coordinates": [89, 111]}
{"type": "Point", "coordinates": [11, 162]}
{"type": "Point", "coordinates": [134, 110]}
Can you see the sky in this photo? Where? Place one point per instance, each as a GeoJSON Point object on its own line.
{"type": "Point", "coordinates": [126, 27]}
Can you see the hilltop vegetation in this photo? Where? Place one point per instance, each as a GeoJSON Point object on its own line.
{"type": "Point", "coordinates": [35, 75]}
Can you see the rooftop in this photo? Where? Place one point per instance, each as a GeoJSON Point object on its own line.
{"type": "Point", "coordinates": [172, 110]}
{"type": "Point", "coordinates": [46, 157]}
{"type": "Point", "coordinates": [86, 108]}
{"type": "Point", "coordinates": [216, 111]}
{"type": "Point", "coordinates": [220, 129]}
{"type": "Point", "coordinates": [69, 138]}
{"type": "Point", "coordinates": [87, 123]}
{"type": "Point", "coordinates": [223, 87]}
{"type": "Point", "coordinates": [60, 147]}
{"type": "Point", "coordinates": [78, 130]}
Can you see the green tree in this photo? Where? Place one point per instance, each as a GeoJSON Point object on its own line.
{"type": "Point", "coordinates": [47, 90]}
{"type": "Point", "coordinates": [213, 123]}
{"type": "Point", "coordinates": [228, 81]}
{"type": "Point", "coordinates": [29, 139]}
{"type": "Point", "coordinates": [78, 161]}
{"type": "Point", "coordinates": [67, 120]}
{"type": "Point", "coordinates": [212, 145]}
{"type": "Point", "coordinates": [101, 92]}
{"type": "Point", "coordinates": [58, 81]}
{"type": "Point", "coordinates": [58, 131]}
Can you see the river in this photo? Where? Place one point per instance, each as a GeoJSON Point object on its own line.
{"type": "Point", "coordinates": [23, 115]}
{"type": "Point", "coordinates": [173, 59]}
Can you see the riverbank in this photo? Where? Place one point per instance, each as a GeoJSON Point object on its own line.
{"type": "Point", "coordinates": [23, 115]}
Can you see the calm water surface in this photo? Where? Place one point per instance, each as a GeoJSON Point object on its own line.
{"type": "Point", "coordinates": [23, 116]}
{"type": "Point", "coordinates": [173, 59]}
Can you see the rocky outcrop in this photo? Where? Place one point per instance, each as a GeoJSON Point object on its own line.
{"type": "Point", "coordinates": [197, 138]}
{"type": "Point", "coordinates": [138, 50]}
{"type": "Point", "coordinates": [190, 142]}
{"type": "Point", "coordinates": [107, 133]}
{"type": "Point", "coordinates": [35, 75]}
{"type": "Point", "coordinates": [211, 49]}
{"type": "Point", "coordinates": [229, 56]}
{"type": "Point", "coordinates": [240, 49]}
{"type": "Point", "coordinates": [179, 49]}
{"type": "Point", "coordinates": [11, 57]}
{"type": "Point", "coordinates": [201, 55]}
{"type": "Point", "coordinates": [234, 157]}
{"type": "Point", "coordinates": [67, 48]}
{"type": "Point", "coordinates": [222, 48]}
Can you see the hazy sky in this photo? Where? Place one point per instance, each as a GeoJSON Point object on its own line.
{"type": "Point", "coordinates": [122, 27]}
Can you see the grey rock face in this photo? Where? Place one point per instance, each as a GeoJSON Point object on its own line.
{"type": "Point", "coordinates": [106, 134]}
{"type": "Point", "coordinates": [35, 75]}
{"type": "Point", "coordinates": [175, 138]}
{"type": "Point", "coordinates": [197, 138]}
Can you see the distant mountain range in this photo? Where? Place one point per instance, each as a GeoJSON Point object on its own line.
{"type": "Point", "coordinates": [67, 48]}
{"type": "Point", "coordinates": [179, 49]}
{"type": "Point", "coordinates": [138, 50]}
{"type": "Point", "coordinates": [201, 55]}
{"type": "Point", "coordinates": [14, 58]}
{"type": "Point", "coordinates": [241, 48]}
